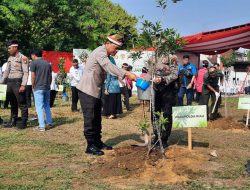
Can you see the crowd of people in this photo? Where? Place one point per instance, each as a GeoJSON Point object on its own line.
{"type": "Point", "coordinates": [99, 86]}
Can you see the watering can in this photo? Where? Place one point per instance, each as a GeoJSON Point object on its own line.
{"type": "Point", "coordinates": [142, 84]}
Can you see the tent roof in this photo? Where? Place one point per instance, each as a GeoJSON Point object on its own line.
{"type": "Point", "coordinates": [219, 41]}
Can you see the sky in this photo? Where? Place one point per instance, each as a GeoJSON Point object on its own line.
{"type": "Point", "coordinates": [192, 16]}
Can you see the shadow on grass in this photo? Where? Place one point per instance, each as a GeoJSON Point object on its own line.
{"type": "Point", "coordinates": [116, 140]}
{"type": "Point", "coordinates": [180, 137]}
{"type": "Point", "coordinates": [56, 121]}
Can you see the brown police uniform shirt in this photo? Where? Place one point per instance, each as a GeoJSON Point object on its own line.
{"type": "Point", "coordinates": [95, 70]}
{"type": "Point", "coordinates": [169, 73]}
{"type": "Point", "coordinates": [17, 68]}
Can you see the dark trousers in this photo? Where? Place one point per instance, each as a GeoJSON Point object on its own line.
{"type": "Point", "coordinates": [52, 97]}
{"type": "Point", "coordinates": [204, 100]}
{"type": "Point", "coordinates": [6, 102]}
{"type": "Point", "coordinates": [28, 93]}
{"type": "Point", "coordinates": [188, 92]}
{"type": "Point", "coordinates": [198, 97]}
{"type": "Point", "coordinates": [124, 92]}
{"type": "Point", "coordinates": [92, 113]}
{"type": "Point", "coordinates": [17, 100]}
{"type": "Point", "coordinates": [74, 98]}
{"type": "Point", "coordinates": [164, 101]}
{"type": "Point", "coordinates": [247, 90]}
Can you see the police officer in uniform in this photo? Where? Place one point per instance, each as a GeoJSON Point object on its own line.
{"type": "Point", "coordinates": [90, 88]}
{"type": "Point", "coordinates": [211, 89]}
{"type": "Point", "coordinates": [165, 87]}
{"type": "Point", "coordinates": [16, 77]}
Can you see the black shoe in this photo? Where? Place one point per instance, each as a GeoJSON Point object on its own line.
{"type": "Point", "coordinates": [165, 144]}
{"type": "Point", "coordinates": [92, 149]}
{"type": "Point", "coordinates": [103, 146]}
{"type": "Point", "coordinates": [218, 115]}
{"type": "Point", "coordinates": [74, 111]}
{"type": "Point", "coordinates": [212, 117]}
{"type": "Point", "coordinates": [24, 124]}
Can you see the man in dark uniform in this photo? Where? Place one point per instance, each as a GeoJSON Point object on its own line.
{"type": "Point", "coordinates": [211, 88]}
{"type": "Point", "coordinates": [90, 88]}
{"type": "Point", "coordinates": [165, 84]}
{"type": "Point", "coordinates": [16, 77]}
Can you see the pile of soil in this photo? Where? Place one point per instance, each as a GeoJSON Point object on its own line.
{"type": "Point", "coordinates": [133, 164]}
{"type": "Point", "coordinates": [227, 123]}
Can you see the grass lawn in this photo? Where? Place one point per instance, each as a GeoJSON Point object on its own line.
{"type": "Point", "coordinates": [55, 159]}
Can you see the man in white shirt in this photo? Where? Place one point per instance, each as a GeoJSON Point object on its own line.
{"type": "Point", "coordinates": [29, 88]}
{"type": "Point", "coordinates": [53, 89]}
{"type": "Point", "coordinates": [7, 101]}
{"type": "Point", "coordinates": [75, 74]}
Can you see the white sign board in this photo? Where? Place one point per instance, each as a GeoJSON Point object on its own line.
{"type": "Point", "coordinates": [244, 103]}
{"type": "Point", "coordinates": [189, 116]}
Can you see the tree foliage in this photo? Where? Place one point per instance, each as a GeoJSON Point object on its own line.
{"type": "Point", "coordinates": [228, 61]}
{"type": "Point", "coordinates": [248, 55]}
{"type": "Point", "coordinates": [62, 25]}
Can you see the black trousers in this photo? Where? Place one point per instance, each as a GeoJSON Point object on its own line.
{"type": "Point", "coordinates": [17, 100]}
{"type": "Point", "coordinates": [52, 97]}
{"type": "Point", "coordinates": [164, 101]}
{"type": "Point", "coordinates": [28, 93]}
{"type": "Point", "coordinates": [6, 102]}
{"type": "Point", "coordinates": [124, 91]}
{"type": "Point", "coordinates": [204, 100]}
{"type": "Point", "coordinates": [75, 98]}
{"type": "Point", "coordinates": [198, 97]}
{"type": "Point", "coordinates": [92, 113]}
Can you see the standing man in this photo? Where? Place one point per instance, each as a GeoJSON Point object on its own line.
{"type": "Point", "coordinates": [90, 88]}
{"type": "Point", "coordinates": [199, 79]}
{"type": "Point", "coordinates": [211, 88]}
{"type": "Point", "coordinates": [29, 88]}
{"type": "Point", "coordinates": [165, 93]}
{"type": "Point", "coordinates": [53, 89]}
{"type": "Point", "coordinates": [16, 77]}
{"type": "Point", "coordinates": [41, 77]}
{"type": "Point", "coordinates": [75, 74]}
{"type": "Point", "coordinates": [124, 88]}
{"type": "Point", "coordinates": [186, 73]}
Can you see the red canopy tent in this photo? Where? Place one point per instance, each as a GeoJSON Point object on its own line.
{"type": "Point", "coordinates": [219, 41]}
{"type": "Point", "coordinates": [54, 58]}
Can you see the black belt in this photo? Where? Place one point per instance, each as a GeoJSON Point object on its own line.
{"type": "Point", "coordinates": [14, 80]}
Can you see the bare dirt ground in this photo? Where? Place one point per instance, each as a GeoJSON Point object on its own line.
{"type": "Point", "coordinates": [56, 160]}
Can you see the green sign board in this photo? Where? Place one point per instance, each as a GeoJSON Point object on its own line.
{"type": "Point", "coordinates": [3, 89]}
{"type": "Point", "coordinates": [189, 116]}
{"type": "Point", "coordinates": [244, 103]}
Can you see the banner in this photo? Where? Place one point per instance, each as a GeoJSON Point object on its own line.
{"type": "Point", "coordinates": [244, 103]}
{"type": "Point", "coordinates": [81, 55]}
{"type": "Point", "coordinates": [3, 90]}
{"type": "Point", "coordinates": [123, 56]}
{"type": "Point", "coordinates": [54, 58]}
{"type": "Point", "coordinates": [189, 116]}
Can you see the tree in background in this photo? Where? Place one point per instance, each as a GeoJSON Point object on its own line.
{"type": "Point", "coordinates": [62, 25]}
{"type": "Point", "coordinates": [248, 55]}
{"type": "Point", "coordinates": [164, 42]}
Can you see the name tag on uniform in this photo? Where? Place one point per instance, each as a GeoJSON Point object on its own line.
{"type": "Point", "coordinates": [3, 90]}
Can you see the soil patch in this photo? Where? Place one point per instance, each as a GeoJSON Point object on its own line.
{"type": "Point", "coordinates": [227, 123]}
{"type": "Point", "coordinates": [132, 163]}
